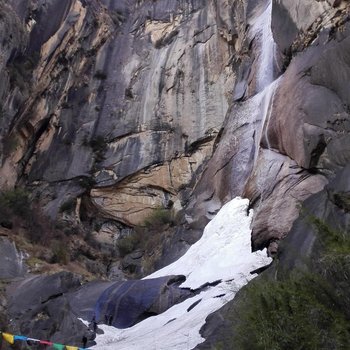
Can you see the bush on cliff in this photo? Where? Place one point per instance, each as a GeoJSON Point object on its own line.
{"type": "Point", "coordinates": [299, 312]}
{"type": "Point", "coordinates": [14, 203]}
{"type": "Point", "coordinates": [158, 218]}
{"type": "Point", "coordinates": [302, 309]}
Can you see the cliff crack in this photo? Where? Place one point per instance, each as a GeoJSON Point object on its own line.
{"type": "Point", "coordinates": [204, 41]}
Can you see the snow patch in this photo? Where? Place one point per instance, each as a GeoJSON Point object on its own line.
{"type": "Point", "coordinates": [223, 253]}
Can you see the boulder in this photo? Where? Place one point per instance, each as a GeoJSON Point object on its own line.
{"type": "Point", "coordinates": [124, 304]}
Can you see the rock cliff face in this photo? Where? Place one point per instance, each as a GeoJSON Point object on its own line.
{"type": "Point", "coordinates": [113, 113]}
{"type": "Point", "coordinates": [131, 91]}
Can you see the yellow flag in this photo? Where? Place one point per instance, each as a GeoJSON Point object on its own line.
{"type": "Point", "coordinates": [8, 337]}
{"type": "Point", "coordinates": [72, 347]}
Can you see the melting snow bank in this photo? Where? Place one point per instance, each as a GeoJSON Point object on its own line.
{"type": "Point", "coordinates": [223, 253]}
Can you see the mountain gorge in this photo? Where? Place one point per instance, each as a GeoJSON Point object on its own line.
{"type": "Point", "coordinates": [127, 125]}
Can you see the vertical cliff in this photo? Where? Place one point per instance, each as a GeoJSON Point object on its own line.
{"type": "Point", "coordinates": [126, 125]}
{"type": "Point", "coordinates": [113, 107]}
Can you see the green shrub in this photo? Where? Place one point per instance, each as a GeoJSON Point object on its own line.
{"type": "Point", "coordinates": [333, 240]}
{"type": "Point", "coordinates": [296, 313]}
{"type": "Point", "coordinates": [15, 202]}
{"type": "Point", "coordinates": [60, 253]}
{"type": "Point", "coordinates": [159, 217]}
{"type": "Point", "coordinates": [128, 244]}
{"type": "Point", "coordinates": [302, 310]}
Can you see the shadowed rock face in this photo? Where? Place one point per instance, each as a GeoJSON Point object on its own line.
{"type": "Point", "coordinates": [49, 306]}
{"type": "Point", "coordinates": [124, 304]}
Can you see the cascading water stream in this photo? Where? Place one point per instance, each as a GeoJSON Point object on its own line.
{"type": "Point", "coordinates": [262, 31]}
{"type": "Point", "coordinates": [266, 84]}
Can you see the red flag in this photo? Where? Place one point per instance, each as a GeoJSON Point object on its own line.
{"type": "Point", "coordinates": [46, 342]}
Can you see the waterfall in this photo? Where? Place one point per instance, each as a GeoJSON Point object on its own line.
{"type": "Point", "coordinates": [265, 103]}
{"type": "Point", "coordinates": [266, 85]}
{"type": "Point", "coordinates": [262, 32]}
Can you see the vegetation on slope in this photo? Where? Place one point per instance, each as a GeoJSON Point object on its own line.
{"type": "Point", "coordinates": [304, 309]}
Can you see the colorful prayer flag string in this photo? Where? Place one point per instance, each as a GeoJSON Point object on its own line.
{"type": "Point", "coordinates": [11, 338]}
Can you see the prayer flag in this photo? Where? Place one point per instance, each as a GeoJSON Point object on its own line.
{"type": "Point", "coordinates": [57, 346]}
{"type": "Point", "coordinates": [34, 340]}
{"type": "Point", "coordinates": [46, 342]}
{"type": "Point", "coordinates": [8, 337]}
{"type": "Point", "coordinates": [20, 337]}
{"type": "Point", "coordinates": [72, 347]}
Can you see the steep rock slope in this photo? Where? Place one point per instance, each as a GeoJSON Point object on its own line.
{"type": "Point", "coordinates": [112, 109]}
